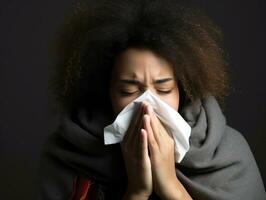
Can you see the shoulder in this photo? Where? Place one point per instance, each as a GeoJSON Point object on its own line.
{"type": "Point", "coordinates": [237, 142]}
{"type": "Point", "coordinates": [243, 166]}
{"type": "Point", "coordinates": [237, 148]}
{"type": "Point", "coordinates": [54, 178]}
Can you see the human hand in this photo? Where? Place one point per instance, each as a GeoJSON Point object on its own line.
{"type": "Point", "coordinates": [161, 148]}
{"type": "Point", "coordinates": [135, 152]}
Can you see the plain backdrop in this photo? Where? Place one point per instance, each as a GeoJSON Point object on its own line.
{"type": "Point", "coordinates": [27, 29]}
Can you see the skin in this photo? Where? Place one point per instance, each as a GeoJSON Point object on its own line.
{"type": "Point", "coordinates": [147, 148]}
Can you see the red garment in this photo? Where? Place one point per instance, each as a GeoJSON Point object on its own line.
{"type": "Point", "coordinates": [83, 189]}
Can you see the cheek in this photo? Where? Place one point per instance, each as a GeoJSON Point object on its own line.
{"type": "Point", "coordinates": [172, 100]}
{"type": "Point", "coordinates": [118, 102]}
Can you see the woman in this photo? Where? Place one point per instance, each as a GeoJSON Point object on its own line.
{"type": "Point", "coordinates": [108, 55]}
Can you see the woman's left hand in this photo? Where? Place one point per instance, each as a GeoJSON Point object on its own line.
{"type": "Point", "coordinates": [161, 148]}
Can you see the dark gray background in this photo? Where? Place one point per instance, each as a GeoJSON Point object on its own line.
{"type": "Point", "coordinates": [27, 29]}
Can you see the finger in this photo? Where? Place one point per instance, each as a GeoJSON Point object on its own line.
{"type": "Point", "coordinates": [133, 139]}
{"type": "Point", "coordinates": [136, 138]}
{"type": "Point", "coordinates": [130, 130]}
{"type": "Point", "coordinates": [145, 106]}
{"type": "Point", "coordinates": [143, 144]}
{"type": "Point", "coordinates": [152, 143]}
{"type": "Point", "coordinates": [154, 121]}
{"type": "Point", "coordinates": [129, 141]}
{"type": "Point", "coordinates": [137, 123]}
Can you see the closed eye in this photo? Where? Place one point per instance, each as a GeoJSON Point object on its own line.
{"type": "Point", "coordinates": [124, 93]}
{"type": "Point", "coordinates": [164, 91]}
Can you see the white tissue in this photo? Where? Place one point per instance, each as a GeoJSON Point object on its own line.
{"type": "Point", "coordinates": [172, 120]}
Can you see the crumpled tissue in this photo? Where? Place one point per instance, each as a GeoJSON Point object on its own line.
{"type": "Point", "coordinates": [175, 125]}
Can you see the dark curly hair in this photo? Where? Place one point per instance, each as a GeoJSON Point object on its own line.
{"type": "Point", "coordinates": [94, 35]}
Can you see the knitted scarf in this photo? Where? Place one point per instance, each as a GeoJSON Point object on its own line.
{"type": "Point", "coordinates": [219, 164]}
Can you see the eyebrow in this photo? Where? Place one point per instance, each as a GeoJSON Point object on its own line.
{"type": "Point", "coordinates": [135, 82]}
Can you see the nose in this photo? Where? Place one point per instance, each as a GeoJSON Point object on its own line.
{"type": "Point", "coordinates": [147, 87]}
{"type": "Point", "coordinates": [152, 90]}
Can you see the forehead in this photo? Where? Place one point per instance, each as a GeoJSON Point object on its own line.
{"type": "Point", "coordinates": [137, 62]}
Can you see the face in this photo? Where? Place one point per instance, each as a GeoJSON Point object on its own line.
{"type": "Point", "coordinates": [137, 70]}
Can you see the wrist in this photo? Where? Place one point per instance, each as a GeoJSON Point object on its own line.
{"type": "Point", "coordinates": [174, 191]}
{"type": "Point", "coordinates": [171, 195]}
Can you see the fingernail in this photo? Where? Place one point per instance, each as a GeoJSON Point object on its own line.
{"type": "Point", "coordinates": [143, 103]}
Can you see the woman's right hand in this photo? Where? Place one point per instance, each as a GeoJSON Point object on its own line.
{"type": "Point", "coordinates": [135, 152]}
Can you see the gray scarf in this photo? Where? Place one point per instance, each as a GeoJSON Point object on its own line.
{"type": "Point", "coordinates": [219, 164]}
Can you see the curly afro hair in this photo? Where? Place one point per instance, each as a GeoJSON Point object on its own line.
{"type": "Point", "coordinates": [94, 35]}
